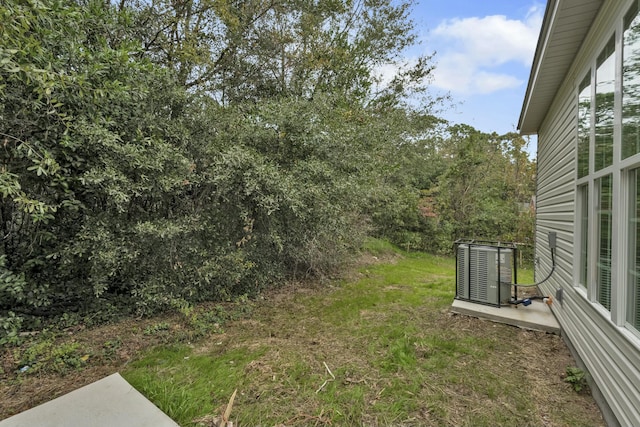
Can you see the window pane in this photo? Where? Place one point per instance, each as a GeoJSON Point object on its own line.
{"type": "Point", "coordinates": [631, 84]}
{"type": "Point", "coordinates": [583, 200]}
{"type": "Point", "coordinates": [604, 185]}
{"type": "Point", "coordinates": [584, 125]}
{"type": "Point", "coordinates": [633, 289]}
{"type": "Point", "coordinates": [605, 79]}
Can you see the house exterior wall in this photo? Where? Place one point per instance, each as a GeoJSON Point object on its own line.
{"type": "Point", "coordinates": [610, 351]}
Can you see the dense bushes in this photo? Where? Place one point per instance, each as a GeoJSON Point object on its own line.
{"type": "Point", "coordinates": [153, 157]}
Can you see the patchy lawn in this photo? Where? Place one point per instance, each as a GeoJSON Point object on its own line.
{"type": "Point", "coordinates": [380, 348]}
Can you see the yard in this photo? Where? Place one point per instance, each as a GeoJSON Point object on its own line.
{"type": "Point", "coordinates": [379, 347]}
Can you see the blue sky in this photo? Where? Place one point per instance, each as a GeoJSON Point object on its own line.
{"type": "Point", "coordinates": [484, 50]}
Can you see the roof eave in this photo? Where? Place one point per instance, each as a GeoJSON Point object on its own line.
{"type": "Point", "coordinates": [553, 42]}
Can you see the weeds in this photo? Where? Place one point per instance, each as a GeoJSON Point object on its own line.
{"type": "Point", "coordinates": [110, 348]}
{"type": "Point", "coordinates": [577, 378]}
{"type": "Point", "coordinates": [157, 328]}
{"type": "Point", "coordinates": [46, 355]}
{"type": "Point", "coordinates": [9, 329]}
{"type": "Point", "coordinates": [183, 383]}
{"type": "Point", "coordinates": [51, 351]}
{"type": "Point", "coordinates": [203, 320]}
{"type": "Point", "coordinates": [378, 350]}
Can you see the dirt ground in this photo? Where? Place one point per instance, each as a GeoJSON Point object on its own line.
{"type": "Point", "coordinates": [21, 391]}
{"type": "Point", "coordinates": [543, 356]}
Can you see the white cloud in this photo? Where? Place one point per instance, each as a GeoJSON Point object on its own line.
{"type": "Point", "coordinates": [485, 82]}
{"type": "Point", "coordinates": [385, 73]}
{"type": "Point", "coordinates": [475, 53]}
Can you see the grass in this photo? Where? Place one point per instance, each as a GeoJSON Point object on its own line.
{"type": "Point", "coordinates": [188, 383]}
{"type": "Point", "coordinates": [378, 349]}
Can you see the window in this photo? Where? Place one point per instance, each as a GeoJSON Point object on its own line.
{"type": "Point", "coordinates": [584, 125]}
{"type": "Point", "coordinates": [631, 84]}
{"type": "Point", "coordinates": [596, 118]}
{"type": "Point", "coordinates": [583, 212]}
{"type": "Point", "coordinates": [604, 186]}
{"type": "Point", "coordinates": [633, 279]}
{"type": "Point", "coordinates": [605, 85]}
{"type": "Point", "coordinates": [608, 176]}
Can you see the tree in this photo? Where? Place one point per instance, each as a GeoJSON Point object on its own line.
{"type": "Point", "coordinates": [162, 153]}
{"type": "Point", "coordinates": [86, 144]}
{"type": "Point", "coordinates": [488, 182]}
{"type": "Point", "coordinates": [257, 49]}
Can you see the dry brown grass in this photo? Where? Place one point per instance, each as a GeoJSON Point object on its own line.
{"type": "Point", "coordinates": [370, 352]}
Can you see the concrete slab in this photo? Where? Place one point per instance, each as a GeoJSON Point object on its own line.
{"type": "Point", "coordinates": [537, 316]}
{"type": "Point", "coordinates": [112, 401]}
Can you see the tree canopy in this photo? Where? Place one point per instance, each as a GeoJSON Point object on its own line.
{"type": "Point", "coordinates": [160, 153]}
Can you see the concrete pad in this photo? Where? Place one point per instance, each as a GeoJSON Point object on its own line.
{"type": "Point", "coordinates": [537, 316]}
{"type": "Point", "coordinates": [110, 402]}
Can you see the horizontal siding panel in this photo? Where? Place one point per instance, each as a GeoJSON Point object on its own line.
{"type": "Point", "coordinates": [563, 134]}
{"type": "Point", "coordinates": [610, 352]}
{"type": "Point", "coordinates": [555, 151]}
{"type": "Point", "coordinates": [561, 229]}
{"type": "Point", "coordinates": [554, 196]}
{"type": "Point", "coordinates": [556, 184]}
{"type": "Point", "coordinates": [563, 160]}
{"type": "Point", "coordinates": [598, 335]}
{"type": "Point", "coordinates": [549, 194]}
{"type": "Point", "coordinates": [562, 153]}
{"type": "Point", "coordinates": [564, 242]}
{"type": "Point", "coordinates": [555, 226]}
{"type": "Point", "coordinates": [560, 209]}
{"type": "Point", "coordinates": [563, 115]}
{"type": "Point", "coordinates": [558, 165]}
{"type": "Point", "coordinates": [560, 196]}
{"type": "Point", "coordinates": [565, 217]}
{"type": "Point", "coordinates": [610, 358]}
{"type": "Point", "coordinates": [563, 234]}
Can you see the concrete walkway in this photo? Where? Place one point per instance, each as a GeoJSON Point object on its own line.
{"type": "Point", "coordinates": [110, 402]}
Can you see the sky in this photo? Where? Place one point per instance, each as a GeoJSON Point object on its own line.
{"type": "Point", "coordinates": [483, 55]}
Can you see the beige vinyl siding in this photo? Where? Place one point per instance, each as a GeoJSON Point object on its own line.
{"type": "Point", "coordinates": [610, 353]}
{"type": "Point", "coordinates": [614, 373]}
{"type": "Point", "coordinates": [555, 201]}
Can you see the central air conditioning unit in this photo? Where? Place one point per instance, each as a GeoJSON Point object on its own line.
{"type": "Point", "coordinates": [485, 271]}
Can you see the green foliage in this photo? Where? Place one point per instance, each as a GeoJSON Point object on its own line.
{"type": "Point", "coordinates": [204, 320]}
{"type": "Point", "coordinates": [157, 328]}
{"type": "Point", "coordinates": [486, 185]}
{"type": "Point", "coordinates": [77, 151]}
{"type": "Point", "coordinates": [478, 186]}
{"type": "Point", "coordinates": [577, 378]}
{"type": "Point", "coordinates": [253, 50]}
{"type": "Point", "coordinates": [382, 349]}
{"type": "Point", "coordinates": [149, 162]}
{"type": "Point", "coordinates": [481, 187]}
{"type": "Point", "coordinates": [378, 247]}
{"type": "Point", "coordinates": [109, 348]}
{"type": "Point", "coordinates": [45, 355]}
{"type": "Point", "coordinates": [10, 325]}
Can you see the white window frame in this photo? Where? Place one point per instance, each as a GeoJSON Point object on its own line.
{"type": "Point", "coordinates": [620, 171]}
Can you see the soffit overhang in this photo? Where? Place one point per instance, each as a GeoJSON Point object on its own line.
{"type": "Point", "coordinates": [564, 28]}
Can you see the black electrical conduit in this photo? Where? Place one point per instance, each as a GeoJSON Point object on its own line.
{"type": "Point", "coordinates": [547, 299]}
